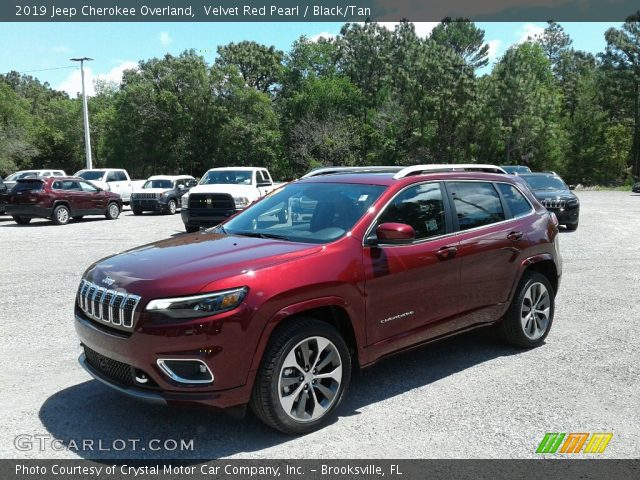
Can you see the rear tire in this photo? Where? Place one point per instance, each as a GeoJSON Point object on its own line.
{"type": "Point", "coordinates": [303, 377]}
{"type": "Point", "coordinates": [530, 315]}
{"type": "Point", "coordinates": [113, 211]}
{"type": "Point", "coordinates": [61, 215]}
{"type": "Point", "coordinates": [21, 220]}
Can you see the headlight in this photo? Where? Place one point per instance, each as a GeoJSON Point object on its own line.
{"type": "Point", "coordinates": [241, 202]}
{"type": "Point", "coordinates": [574, 202]}
{"type": "Point", "coordinates": [185, 200]}
{"type": "Point", "coordinates": [198, 305]}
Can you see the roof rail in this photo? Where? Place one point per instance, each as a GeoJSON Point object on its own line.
{"type": "Point", "coordinates": [335, 170]}
{"type": "Point", "coordinates": [448, 167]}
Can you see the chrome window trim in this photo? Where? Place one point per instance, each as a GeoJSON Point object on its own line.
{"type": "Point", "coordinates": [450, 234]}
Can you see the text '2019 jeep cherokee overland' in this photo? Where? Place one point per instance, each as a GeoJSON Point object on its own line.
{"type": "Point", "coordinates": [275, 312]}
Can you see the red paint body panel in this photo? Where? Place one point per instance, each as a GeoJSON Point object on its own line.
{"type": "Point", "coordinates": [395, 296]}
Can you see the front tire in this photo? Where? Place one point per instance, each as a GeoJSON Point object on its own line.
{"type": "Point", "coordinates": [61, 215]}
{"type": "Point", "coordinates": [21, 220]}
{"type": "Point", "coordinates": [172, 206]}
{"type": "Point", "coordinates": [191, 228]}
{"type": "Point", "coordinates": [113, 211]}
{"type": "Point", "coordinates": [572, 227]}
{"type": "Point", "coordinates": [530, 315]}
{"type": "Point", "coordinates": [303, 377]}
{"type": "Point", "coordinates": [136, 211]}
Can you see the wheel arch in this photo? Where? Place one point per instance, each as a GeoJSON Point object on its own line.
{"type": "Point", "coordinates": [329, 310]}
{"type": "Point", "coordinates": [545, 265]}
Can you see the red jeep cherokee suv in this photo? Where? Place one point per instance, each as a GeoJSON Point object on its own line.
{"type": "Point", "coordinates": [274, 310]}
{"type": "Point", "coordinates": [60, 199]}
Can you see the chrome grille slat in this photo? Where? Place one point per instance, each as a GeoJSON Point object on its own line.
{"type": "Point", "coordinates": [553, 203]}
{"type": "Point", "coordinates": [107, 305]}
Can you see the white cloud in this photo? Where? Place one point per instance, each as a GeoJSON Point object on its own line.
{"type": "Point", "coordinates": [73, 83]}
{"type": "Point", "coordinates": [325, 35]}
{"type": "Point", "coordinates": [494, 49]}
{"type": "Point", "coordinates": [60, 49]}
{"type": "Point", "coordinates": [529, 31]}
{"type": "Point", "coordinates": [165, 39]}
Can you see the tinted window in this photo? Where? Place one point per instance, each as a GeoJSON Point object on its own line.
{"type": "Point", "coordinates": [57, 185]}
{"type": "Point", "coordinates": [23, 185]}
{"type": "Point", "coordinates": [112, 177]}
{"type": "Point", "coordinates": [237, 177]}
{"type": "Point", "coordinates": [121, 176]}
{"type": "Point", "coordinates": [543, 182]}
{"type": "Point", "coordinates": [87, 187]}
{"type": "Point", "coordinates": [71, 185]}
{"type": "Point", "coordinates": [158, 184]}
{"type": "Point", "coordinates": [518, 205]}
{"type": "Point", "coordinates": [476, 203]}
{"type": "Point", "coordinates": [90, 175]}
{"type": "Point", "coordinates": [420, 206]}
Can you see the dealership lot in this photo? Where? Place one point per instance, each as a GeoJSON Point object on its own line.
{"type": "Point", "coordinates": [470, 396]}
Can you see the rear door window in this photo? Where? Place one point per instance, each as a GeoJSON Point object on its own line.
{"type": "Point", "coordinates": [517, 204]}
{"type": "Point", "coordinates": [476, 204]}
{"type": "Point", "coordinates": [112, 177]}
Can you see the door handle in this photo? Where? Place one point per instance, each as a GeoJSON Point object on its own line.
{"type": "Point", "coordinates": [515, 236]}
{"type": "Point", "coordinates": [445, 253]}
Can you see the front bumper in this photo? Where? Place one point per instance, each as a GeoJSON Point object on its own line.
{"type": "Point", "coordinates": [146, 205]}
{"type": "Point", "coordinates": [137, 352]}
{"type": "Point", "coordinates": [567, 215]}
{"type": "Point", "coordinates": [205, 217]}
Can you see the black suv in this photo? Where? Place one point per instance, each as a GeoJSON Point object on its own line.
{"type": "Point", "coordinates": [161, 193]}
{"type": "Point", "coordinates": [553, 193]}
{"type": "Point", "coordinates": [4, 193]}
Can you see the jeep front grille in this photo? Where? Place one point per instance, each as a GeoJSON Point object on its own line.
{"type": "Point", "coordinates": [107, 306]}
{"type": "Point", "coordinates": [553, 203]}
{"type": "Point", "coordinates": [146, 196]}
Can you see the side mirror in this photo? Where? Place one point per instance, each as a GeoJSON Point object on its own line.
{"type": "Point", "coordinates": [572, 187]}
{"type": "Point", "coordinates": [397, 233]}
{"type": "Point", "coordinates": [191, 183]}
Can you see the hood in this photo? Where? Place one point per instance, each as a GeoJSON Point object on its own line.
{"type": "Point", "coordinates": [563, 194]}
{"type": "Point", "coordinates": [187, 264]}
{"type": "Point", "coordinates": [233, 190]}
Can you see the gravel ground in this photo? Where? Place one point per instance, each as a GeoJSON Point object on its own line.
{"type": "Point", "coordinates": [468, 397]}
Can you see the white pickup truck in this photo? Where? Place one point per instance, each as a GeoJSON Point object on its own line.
{"type": "Point", "coordinates": [221, 193]}
{"type": "Point", "coordinates": [114, 179]}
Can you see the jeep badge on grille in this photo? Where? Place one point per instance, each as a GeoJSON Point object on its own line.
{"type": "Point", "coordinates": [108, 281]}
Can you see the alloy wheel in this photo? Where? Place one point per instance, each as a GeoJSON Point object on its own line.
{"type": "Point", "coordinates": [535, 310]}
{"type": "Point", "coordinates": [310, 379]}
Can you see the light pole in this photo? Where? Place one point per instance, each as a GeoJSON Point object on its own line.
{"type": "Point", "coordinates": [85, 111]}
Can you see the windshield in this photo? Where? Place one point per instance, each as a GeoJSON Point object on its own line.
{"type": "Point", "coordinates": [232, 177]}
{"type": "Point", "coordinates": [306, 212]}
{"type": "Point", "coordinates": [90, 175]}
{"type": "Point", "coordinates": [545, 183]}
{"type": "Point", "coordinates": [158, 184]}
{"type": "Point", "coordinates": [516, 169]}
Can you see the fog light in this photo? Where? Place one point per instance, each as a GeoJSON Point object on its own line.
{"type": "Point", "coordinates": [186, 370]}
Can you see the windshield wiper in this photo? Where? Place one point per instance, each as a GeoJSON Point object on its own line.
{"type": "Point", "coordinates": [261, 235]}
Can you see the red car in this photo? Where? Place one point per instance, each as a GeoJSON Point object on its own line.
{"type": "Point", "coordinates": [60, 199]}
{"type": "Point", "coordinates": [275, 311]}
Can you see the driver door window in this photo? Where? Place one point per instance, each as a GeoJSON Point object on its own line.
{"type": "Point", "coordinates": [420, 206]}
